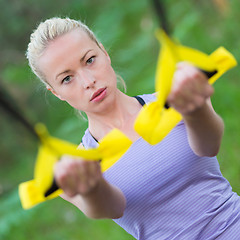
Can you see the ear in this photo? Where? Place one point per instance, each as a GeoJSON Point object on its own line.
{"type": "Point", "coordinates": [53, 92]}
{"type": "Point", "coordinates": [105, 52]}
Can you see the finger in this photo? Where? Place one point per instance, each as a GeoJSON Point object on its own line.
{"type": "Point", "coordinates": [183, 64]}
{"type": "Point", "coordinates": [94, 174]}
{"type": "Point", "coordinates": [194, 82]}
{"type": "Point", "coordinates": [65, 175]}
{"type": "Point", "coordinates": [189, 67]}
{"type": "Point", "coordinates": [208, 91]}
{"type": "Point", "coordinates": [83, 177]}
{"type": "Point", "coordinates": [88, 176]}
{"type": "Point", "coordinates": [198, 102]}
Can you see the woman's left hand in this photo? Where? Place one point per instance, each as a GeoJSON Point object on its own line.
{"type": "Point", "coordinates": [190, 89]}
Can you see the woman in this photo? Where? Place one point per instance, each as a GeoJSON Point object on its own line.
{"type": "Point", "coordinates": [172, 190]}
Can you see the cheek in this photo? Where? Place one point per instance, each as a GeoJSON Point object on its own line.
{"type": "Point", "coordinates": [108, 73]}
{"type": "Point", "coordinates": [77, 103]}
{"type": "Point", "coordinates": [73, 95]}
{"type": "Point", "coordinates": [104, 65]}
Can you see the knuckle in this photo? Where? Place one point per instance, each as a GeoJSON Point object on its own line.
{"type": "Point", "coordinates": [70, 193]}
{"type": "Point", "coordinates": [181, 64]}
{"type": "Point", "coordinates": [96, 166]}
{"type": "Point", "coordinates": [62, 178]}
{"type": "Point", "coordinates": [84, 164]}
{"type": "Point", "coordinates": [175, 94]}
{"type": "Point", "coordinates": [190, 108]}
{"type": "Point", "coordinates": [83, 167]}
{"type": "Point", "coordinates": [64, 158]}
{"type": "Point", "coordinates": [70, 166]}
{"type": "Point", "coordinates": [210, 90]}
{"type": "Point", "coordinates": [182, 82]}
{"type": "Point", "coordinates": [84, 189]}
{"type": "Point", "coordinates": [195, 74]}
{"type": "Point", "coordinates": [201, 101]}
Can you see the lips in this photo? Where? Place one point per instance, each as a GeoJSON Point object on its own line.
{"type": "Point", "coordinates": [98, 95]}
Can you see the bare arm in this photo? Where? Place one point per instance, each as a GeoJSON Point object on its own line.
{"type": "Point", "coordinates": [205, 130]}
{"type": "Point", "coordinates": [85, 187]}
{"type": "Point", "coordinates": [190, 96]}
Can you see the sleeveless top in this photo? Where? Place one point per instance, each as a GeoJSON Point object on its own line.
{"type": "Point", "coordinates": [172, 193]}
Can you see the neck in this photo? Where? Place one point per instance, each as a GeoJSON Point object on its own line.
{"type": "Point", "coordinates": [121, 114]}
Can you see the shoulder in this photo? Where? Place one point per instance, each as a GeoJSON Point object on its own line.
{"type": "Point", "coordinates": [88, 141]}
{"type": "Point", "coordinates": [148, 97]}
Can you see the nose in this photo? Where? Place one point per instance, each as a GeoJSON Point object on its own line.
{"type": "Point", "coordinates": [87, 80]}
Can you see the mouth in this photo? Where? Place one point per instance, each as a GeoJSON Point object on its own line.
{"type": "Point", "coordinates": [98, 95]}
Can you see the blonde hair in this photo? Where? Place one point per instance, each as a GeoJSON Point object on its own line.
{"type": "Point", "coordinates": [48, 31]}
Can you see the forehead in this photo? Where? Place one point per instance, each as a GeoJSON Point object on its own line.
{"type": "Point", "coordinates": [76, 37]}
{"type": "Point", "coordinates": [75, 41]}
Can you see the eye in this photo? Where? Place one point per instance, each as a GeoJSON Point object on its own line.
{"type": "Point", "coordinates": [66, 80]}
{"type": "Point", "coordinates": [90, 60]}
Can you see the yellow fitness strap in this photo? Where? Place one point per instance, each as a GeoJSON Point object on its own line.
{"type": "Point", "coordinates": [154, 121]}
{"type": "Point", "coordinates": [110, 149]}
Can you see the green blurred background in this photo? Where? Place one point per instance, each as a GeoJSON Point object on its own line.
{"type": "Point", "coordinates": [126, 29]}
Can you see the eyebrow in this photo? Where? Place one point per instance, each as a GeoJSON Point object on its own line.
{"type": "Point", "coordinates": [81, 60]}
{"type": "Point", "coordinates": [67, 71]}
{"type": "Point", "coordinates": [85, 55]}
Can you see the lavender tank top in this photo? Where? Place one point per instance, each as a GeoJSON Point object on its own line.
{"type": "Point", "coordinates": [172, 193]}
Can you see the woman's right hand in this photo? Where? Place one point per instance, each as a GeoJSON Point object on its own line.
{"type": "Point", "coordinates": [76, 176]}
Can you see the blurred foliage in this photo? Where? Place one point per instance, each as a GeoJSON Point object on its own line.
{"type": "Point", "coordinates": [126, 29]}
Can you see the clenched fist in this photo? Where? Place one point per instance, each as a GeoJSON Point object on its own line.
{"type": "Point", "coordinates": [190, 89]}
{"type": "Point", "coordinates": [76, 176]}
